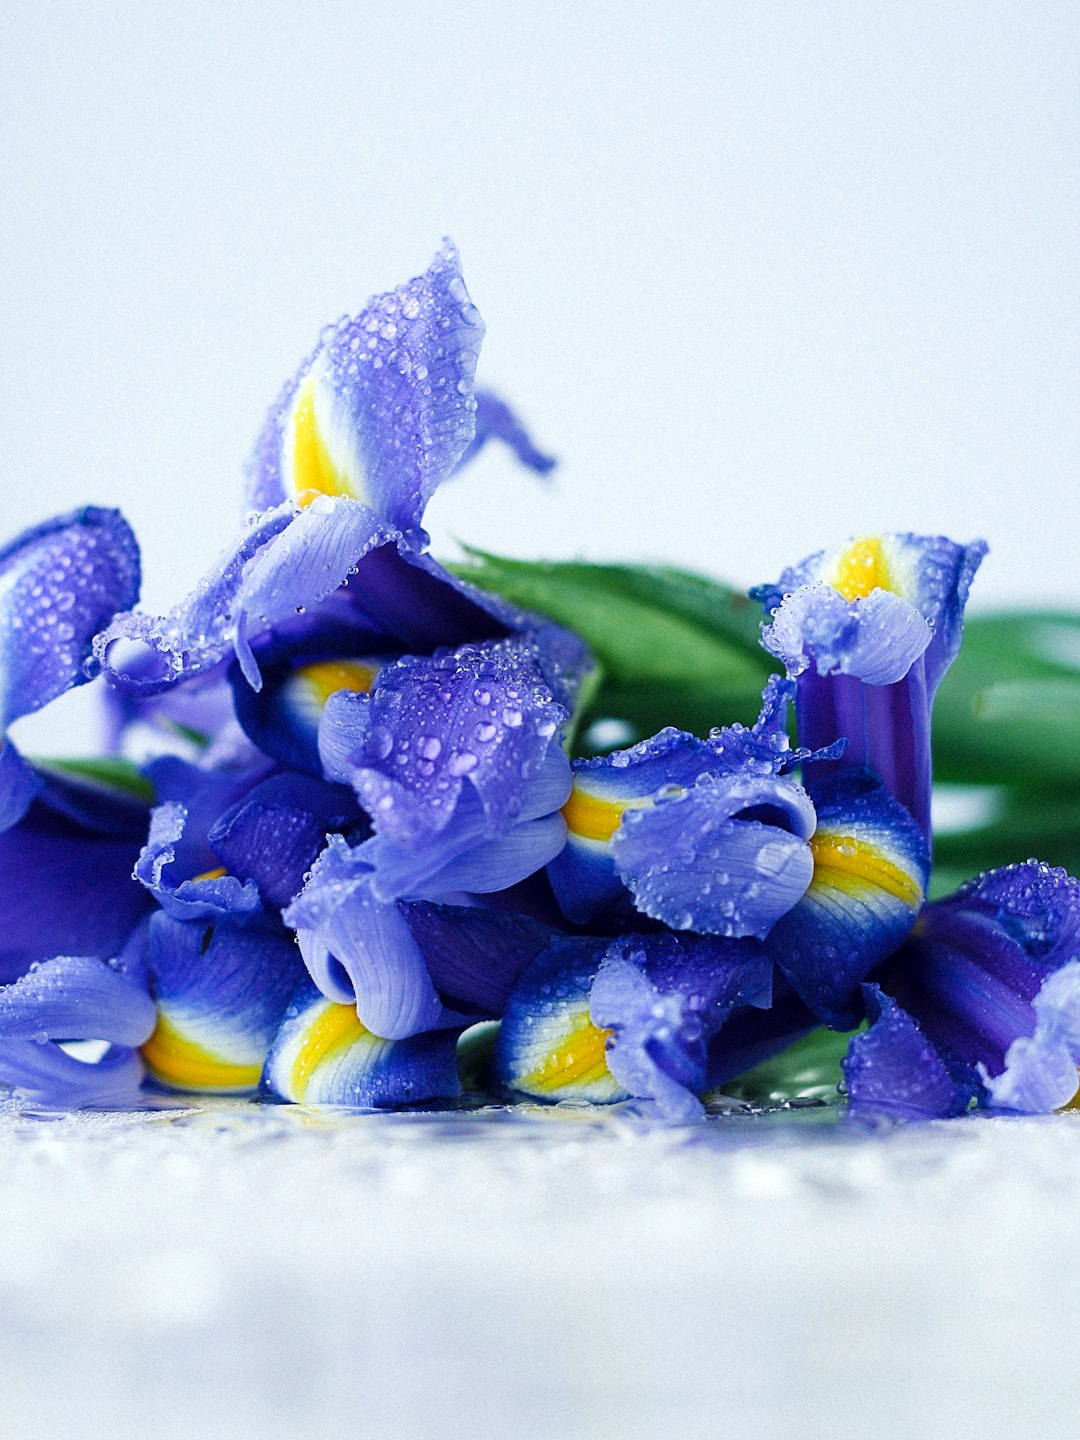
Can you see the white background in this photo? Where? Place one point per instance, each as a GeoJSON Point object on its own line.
{"type": "Point", "coordinates": [762, 275]}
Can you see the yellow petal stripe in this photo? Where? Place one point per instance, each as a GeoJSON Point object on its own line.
{"type": "Point", "coordinates": [314, 472]}
{"type": "Point", "coordinates": [335, 1028]}
{"type": "Point", "coordinates": [578, 1059]}
{"type": "Point", "coordinates": [841, 862]}
{"type": "Point", "coordinates": [591, 818]}
{"type": "Point", "coordinates": [184, 1065]}
{"type": "Point", "coordinates": [328, 676]}
{"type": "Point", "coordinates": [861, 568]}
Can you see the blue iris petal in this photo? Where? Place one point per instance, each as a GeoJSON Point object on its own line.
{"type": "Point", "coordinates": [188, 897]}
{"type": "Point", "coordinates": [876, 638]}
{"type": "Point", "coordinates": [49, 1075]}
{"type": "Point", "coordinates": [76, 998]}
{"type": "Point", "coordinates": [892, 1069]}
{"type": "Point", "coordinates": [751, 1035]}
{"type": "Point", "coordinates": [480, 716]}
{"type": "Point", "coordinates": [67, 890]}
{"type": "Point", "coordinates": [932, 573]}
{"type": "Point", "coordinates": [19, 783]}
{"type": "Point", "coordinates": [386, 401]}
{"type": "Point", "coordinates": [71, 999]}
{"type": "Point", "coordinates": [221, 990]}
{"type": "Point", "coordinates": [990, 975]}
{"type": "Point", "coordinates": [870, 872]}
{"type": "Point", "coordinates": [198, 633]}
{"type": "Point", "coordinates": [59, 584]}
{"type": "Point", "coordinates": [496, 421]}
{"type": "Point", "coordinates": [664, 997]}
{"type": "Point", "coordinates": [323, 1055]}
{"type": "Point", "coordinates": [869, 630]}
{"type": "Point", "coordinates": [704, 861]}
{"type": "Point", "coordinates": [475, 956]}
{"type": "Point", "coordinates": [548, 1046]}
{"type": "Point", "coordinates": [274, 834]}
{"type": "Point", "coordinates": [359, 948]}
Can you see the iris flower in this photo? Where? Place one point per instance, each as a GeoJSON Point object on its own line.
{"type": "Point", "coordinates": [357, 833]}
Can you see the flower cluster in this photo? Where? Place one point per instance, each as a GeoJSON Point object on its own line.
{"type": "Point", "coordinates": [339, 848]}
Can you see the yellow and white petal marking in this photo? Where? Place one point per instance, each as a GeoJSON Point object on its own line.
{"type": "Point", "coordinates": [181, 1058]}
{"type": "Point", "coordinates": [319, 455]}
{"type": "Point", "coordinates": [328, 1032]}
{"type": "Point", "coordinates": [562, 1057]}
{"type": "Point", "coordinates": [859, 869]}
{"type": "Point", "coordinates": [593, 817]}
{"type": "Point", "coordinates": [872, 562]}
{"type": "Point", "coordinates": [309, 687]}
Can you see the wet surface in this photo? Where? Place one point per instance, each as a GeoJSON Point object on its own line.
{"type": "Point", "coordinates": [236, 1270]}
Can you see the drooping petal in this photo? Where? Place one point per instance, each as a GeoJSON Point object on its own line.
{"type": "Point", "coordinates": [988, 974]}
{"type": "Point", "coordinates": [273, 836]}
{"type": "Point", "coordinates": [221, 989]}
{"type": "Point", "coordinates": [73, 999]}
{"type": "Point", "coordinates": [892, 1069]}
{"type": "Point", "coordinates": [67, 890]}
{"type": "Point", "coordinates": [480, 715]}
{"type": "Point", "coordinates": [197, 634]}
{"type": "Point", "coordinates": [383, 409]}
{"type": "Point", "coordinates": [548, 1047]}
{"type": "Point", "coordinates": [474, 956]}
{"type": "Point", "coordinates": [60, 582]}
{"type": "Point", "coordinates": [496, 421]}
{"type": "Point", "coordinates": [76, 998]}
{"type": "Point", "coordinates": [728, 856]}
{"type": "Point", "coordinates": [323, 1055]}
{"type": "Point", "coordinates": [359, 948]}
{"type": "Point", "coordinates": [208, 893]}
{"type": "Point", "coordinates": [50, 1076]}
{"type": "Point", "coordinates": [750, 1035]}
{"type": "Point", "coordinates": [663, 998]}
{"type": "Point", "coordinates": [870, 872]}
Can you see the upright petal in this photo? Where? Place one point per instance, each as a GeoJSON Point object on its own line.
{"type": "Point", "coordinates": [384, 408]}
{"type": "Point", "coordinates": [59, 584]}
{"type": "Point", "coordinates": [496, 421]}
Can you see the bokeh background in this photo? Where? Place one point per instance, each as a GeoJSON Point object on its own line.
{"type": "Point", "coordinates": [759, 274]}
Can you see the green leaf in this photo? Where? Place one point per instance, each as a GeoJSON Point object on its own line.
{"type": "Point", "coordinates": [105, 772]}
{"type": "Point", "coordinates": [808, 1070]}
{"type": "Point", "coordinates": [1046, 826]}
{"type": "Point", "coordinates": [675, 648]}
{"type": "Point", "coordinates": [1008, 711]}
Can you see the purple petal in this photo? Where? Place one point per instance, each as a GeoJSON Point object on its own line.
{"type": "Point", "coordinates": [876, 638]}
{"type": "Point", "coordinates": [893, 1070]}
{"type": "Point", "coordinates": [383, 409]}
{"type": "Point", "coordinates": [323, 1055]}
{"type": "Point", "coordinates": [59, 584]}
{"type": "Point", "coordinates": [76, 998]}
{"type": "Point", "coordinates": [50, 1076]}
{"type": "Point", "coordinates": [481, 715]}
{"type": "Point", "coordinates": [356, 945]}
{"type": "Point", "coordinates": [870, 870]}
{"type": "Point", "coordinates": [274, 834]}
{"type": "Point", "coordinates": [496, 421]}
{"type": "Point", "coordinates": [66, 891]}
{"type": "Point", "coordinates": [474, 956]}
{"type": "Point", "coordinates": [704, 860]}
